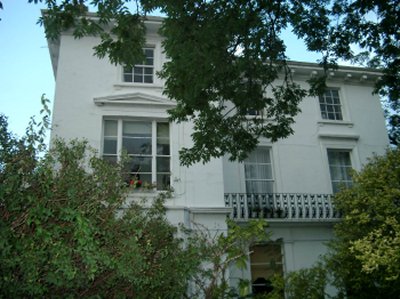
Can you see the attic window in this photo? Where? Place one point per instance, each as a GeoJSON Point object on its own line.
{"type": "Point", "coordinates": [143, 72]}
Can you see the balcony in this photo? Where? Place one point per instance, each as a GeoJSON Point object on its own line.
{"type": "Point", "coordinates": [282, 207]}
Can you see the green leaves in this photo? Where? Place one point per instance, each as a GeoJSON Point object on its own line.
{"type": "Point", "coordinates": [367, 240]}
{"type": "Point", "coordinates": [63, 229]}
{"type": "Point", "coordinates": [226, 56]}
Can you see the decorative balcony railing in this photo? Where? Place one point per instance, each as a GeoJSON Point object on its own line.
{"type": "Point", "coordinates": [282, 206]}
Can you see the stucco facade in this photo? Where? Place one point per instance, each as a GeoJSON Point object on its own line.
{"type": "Point", "coordinates": [90, 91]}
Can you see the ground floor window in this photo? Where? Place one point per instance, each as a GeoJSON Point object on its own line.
{"type": "Point", "coordinates": [265, 262]}
{"type": "Point", "coordinates": [147, 144]}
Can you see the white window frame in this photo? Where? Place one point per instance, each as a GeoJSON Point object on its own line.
{"type": "Point", "coordinates": [153, 154]}
{"type": "Point", "coordinates": [335, 106]}
{"type": "Point", "coordinates": [347, 182]}
{"type": "Point", "coordinates": [270, 163]}
{"type": "Point", "coordinates": [144, 66]}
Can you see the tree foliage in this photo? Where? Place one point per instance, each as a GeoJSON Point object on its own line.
{"type": "Point", "coordinates": [226, 57]}
{"type": "Point", "coordinates": [218, 251]}
{"type": "Point", "coordinates": [365, 255]}
{"type": "Point", "coordinates": [66, 230]}
{"type": "Point", "coordinates": [307, 283]}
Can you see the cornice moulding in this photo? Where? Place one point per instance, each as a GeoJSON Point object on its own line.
{"type": "Point", "coordinates": [136, 98]}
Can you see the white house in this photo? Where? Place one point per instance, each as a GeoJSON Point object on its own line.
{"type": "Point", "coordinates": [288, 182]}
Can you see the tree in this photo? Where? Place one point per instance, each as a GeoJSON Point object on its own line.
{"type": "Point", "coordinates": [66, 230]}
{"type": "Point", "coordinates": [218, 252]}
{"type": "Point", "coordinates": [365, 255]}
{"type": "Point", "coordinates": [227, 55]}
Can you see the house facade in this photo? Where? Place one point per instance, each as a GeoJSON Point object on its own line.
{"type": "Point", "coordinates": [290, 182]}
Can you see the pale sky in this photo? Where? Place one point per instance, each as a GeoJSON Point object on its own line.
{"type": "Point", "coordinates": [25, 67]}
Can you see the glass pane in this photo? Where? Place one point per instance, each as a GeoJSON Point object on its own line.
{"type": "Point", "coordinates": [163, 164]}
{"type": "Point", "coordinates": [138, 70]}
{"type": "Point", "coordinates": [337, 173]}
{"type": "Point", "coordinates": [163, 149]}
{"type": "Point", "coordinates": [264, 171]}
{"type": "Point", "coordinates": [162, 129]}
{"type": "Point", "coordinates": [259, 186]}
{"type": "Point", "coordinates": [110, 145]}
{"type": "Point", "coordinates": [163, 139]}
{"type": "Point", "coordinates": [250, 171]}
{"type": "Point", "coordinates": [335, 93]}
{"type": "Point", "coordinates": [140, 164]}
{"type": "Point", "coordinates": [138, 146]}
{"type": "Point", "coordinates": [163, 181]}
{"type": "Point", "coordinates": [128, 78]}
{"type": "Point", "coordinates": [262, 155]}
{"type": "Point", "coordinates": [331, 115]}
{"type": "Point", "coordinates": [138, 79]}
{"type": "Point", "coordinates": [145, 178]}
{"type": "Point", "coordinates": [149, 54]}
{"type": "Point", "coordinates": [110, 128]}
{"type": "Point", "coordinates": [148, 71]}
{"type": "Point", "coordinates": [136, 129]}
{"type": "Point", "coordinates": [148, 79]}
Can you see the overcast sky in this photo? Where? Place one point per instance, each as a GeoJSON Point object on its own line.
{"type": "Point", "coordinates": [25, 67]}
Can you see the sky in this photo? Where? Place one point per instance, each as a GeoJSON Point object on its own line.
{"type": "Point", "coordinates": [25, 67]}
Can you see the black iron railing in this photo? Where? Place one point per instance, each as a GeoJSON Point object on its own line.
{"type": "Point", "coordinates": [282, 206]}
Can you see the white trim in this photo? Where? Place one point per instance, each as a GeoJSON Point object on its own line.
{"type": "Point", "coordinates": [346, 120]}
{"type": "Point", "coordinates": [339, 136]}
{"type": "Point", "coordinates": [135, 98]}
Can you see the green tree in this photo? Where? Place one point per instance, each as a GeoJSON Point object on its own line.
{"type": "Point", "coordinates": [226, 57]}
{"type": "Point", "coordinates": [66, 230]}
{"type": "Point", "coordinates": [220, 251]}
{"type": "Point", "coordinates": [365, 255]}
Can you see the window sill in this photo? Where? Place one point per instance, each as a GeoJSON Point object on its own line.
{"type": "Point", "coordinates": [324, 122]}
{"type": "Point", "coordinates": [133, 85]}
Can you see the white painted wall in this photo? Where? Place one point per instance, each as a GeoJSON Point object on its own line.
{"type": "Point", "coordinates": [300, 162]}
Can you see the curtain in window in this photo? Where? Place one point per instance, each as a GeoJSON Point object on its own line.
{"type": "Point", "coordinates": [258, 172]}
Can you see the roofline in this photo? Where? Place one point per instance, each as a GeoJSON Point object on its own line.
{"type": "Point", "coordinates": [308, 69]}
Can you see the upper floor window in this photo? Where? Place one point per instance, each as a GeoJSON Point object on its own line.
{"type": "Point", "coordinates": [339, 168]}
{"type": "Point", "coordinates": [258, 171]}
{"type": "Point", "coordinates": [147, 145]}
{"type": "Point", "coordinates": [144, 72]}
{"type": "Point", "coordinates": [330, 105]}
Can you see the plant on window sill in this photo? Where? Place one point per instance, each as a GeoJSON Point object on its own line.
{"type": "Point", "coordinates": [135, 183]}
{"type": "Point", "coordinates": [139, 185]}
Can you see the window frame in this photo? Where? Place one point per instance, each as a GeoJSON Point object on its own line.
{"type": "Point", "coordinates": [335, 183]}
{"type": "Point", "coordinates": [270, 180]}
{"type": "Point", "coordinates": [270, 265]}
{"type": "Point", "coordinates": [154, 154]}
{"type": "Point", "coordinates": [144, 67]}
{"type": "Point", "coordinates": [333, 105]}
